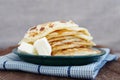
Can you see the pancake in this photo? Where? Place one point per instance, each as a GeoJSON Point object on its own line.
{"type": "Point", "coordinates": [61, 38]}
{"type": "Point", "coordinates": [73, 40]}
{"type": "Point", "coordinates": [70, 45]}
{"type": "Point", "coordinates": [43, 30]}
{"type": "Point", "coordinates": [75, 52]}
{"type": "Point", "coordinates": [61, 42]}
{"type": "Point", "coordinates": [59, 33]}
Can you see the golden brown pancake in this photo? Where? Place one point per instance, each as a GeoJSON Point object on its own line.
{"type": "Point", "coordinates": [43, 30]}
{"type": "Point", "coordinates": [77, 41]}
{"type": "Point", "coordinates": [63, 32]}
{"type": "Point", "coordinates": [75, 52]}
{"type": "Point", "coordinates": [70, 45]}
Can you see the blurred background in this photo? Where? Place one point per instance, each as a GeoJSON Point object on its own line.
{"type": "Point", "coordinates": [100, 17]}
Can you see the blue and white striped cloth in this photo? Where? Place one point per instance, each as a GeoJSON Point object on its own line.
{"type": "Point", "coordinates": [90, 71]}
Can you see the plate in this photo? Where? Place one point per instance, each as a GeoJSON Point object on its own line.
{"type": "Point", "coordinates": [59, 60]}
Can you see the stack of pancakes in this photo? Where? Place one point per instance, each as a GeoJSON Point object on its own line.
{"type": "Point", "coordinates": [65, 38]}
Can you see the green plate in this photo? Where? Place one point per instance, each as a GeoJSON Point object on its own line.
{"type": "Point", "coordinates": [59, 60]}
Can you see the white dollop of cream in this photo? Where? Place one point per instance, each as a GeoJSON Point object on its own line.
{"type": "Point", "coordinates": [42, 47]}
{"type": "Point", "coordinates": [26, 48]}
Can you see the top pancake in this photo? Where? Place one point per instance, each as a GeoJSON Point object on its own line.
{"type": "Point", "coordinates": [67, 28]}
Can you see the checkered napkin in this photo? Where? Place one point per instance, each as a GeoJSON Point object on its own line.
{"type": "Point", "coordinates": [89, 71]}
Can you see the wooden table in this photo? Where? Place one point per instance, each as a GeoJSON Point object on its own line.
{"type": "Point", "coordinates": [111, 71]}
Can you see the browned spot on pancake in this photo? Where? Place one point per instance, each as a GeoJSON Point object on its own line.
{"type": "Point", "coordinates": [33, 28]}
{"type": "Point", "coordinates": [42, 28]}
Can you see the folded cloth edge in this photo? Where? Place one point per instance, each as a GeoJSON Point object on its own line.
{"type": "Point", "coordinates": [108, 57]}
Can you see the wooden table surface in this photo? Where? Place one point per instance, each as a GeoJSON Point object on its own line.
{"type": "Point", "coordinates": [111, 71]}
